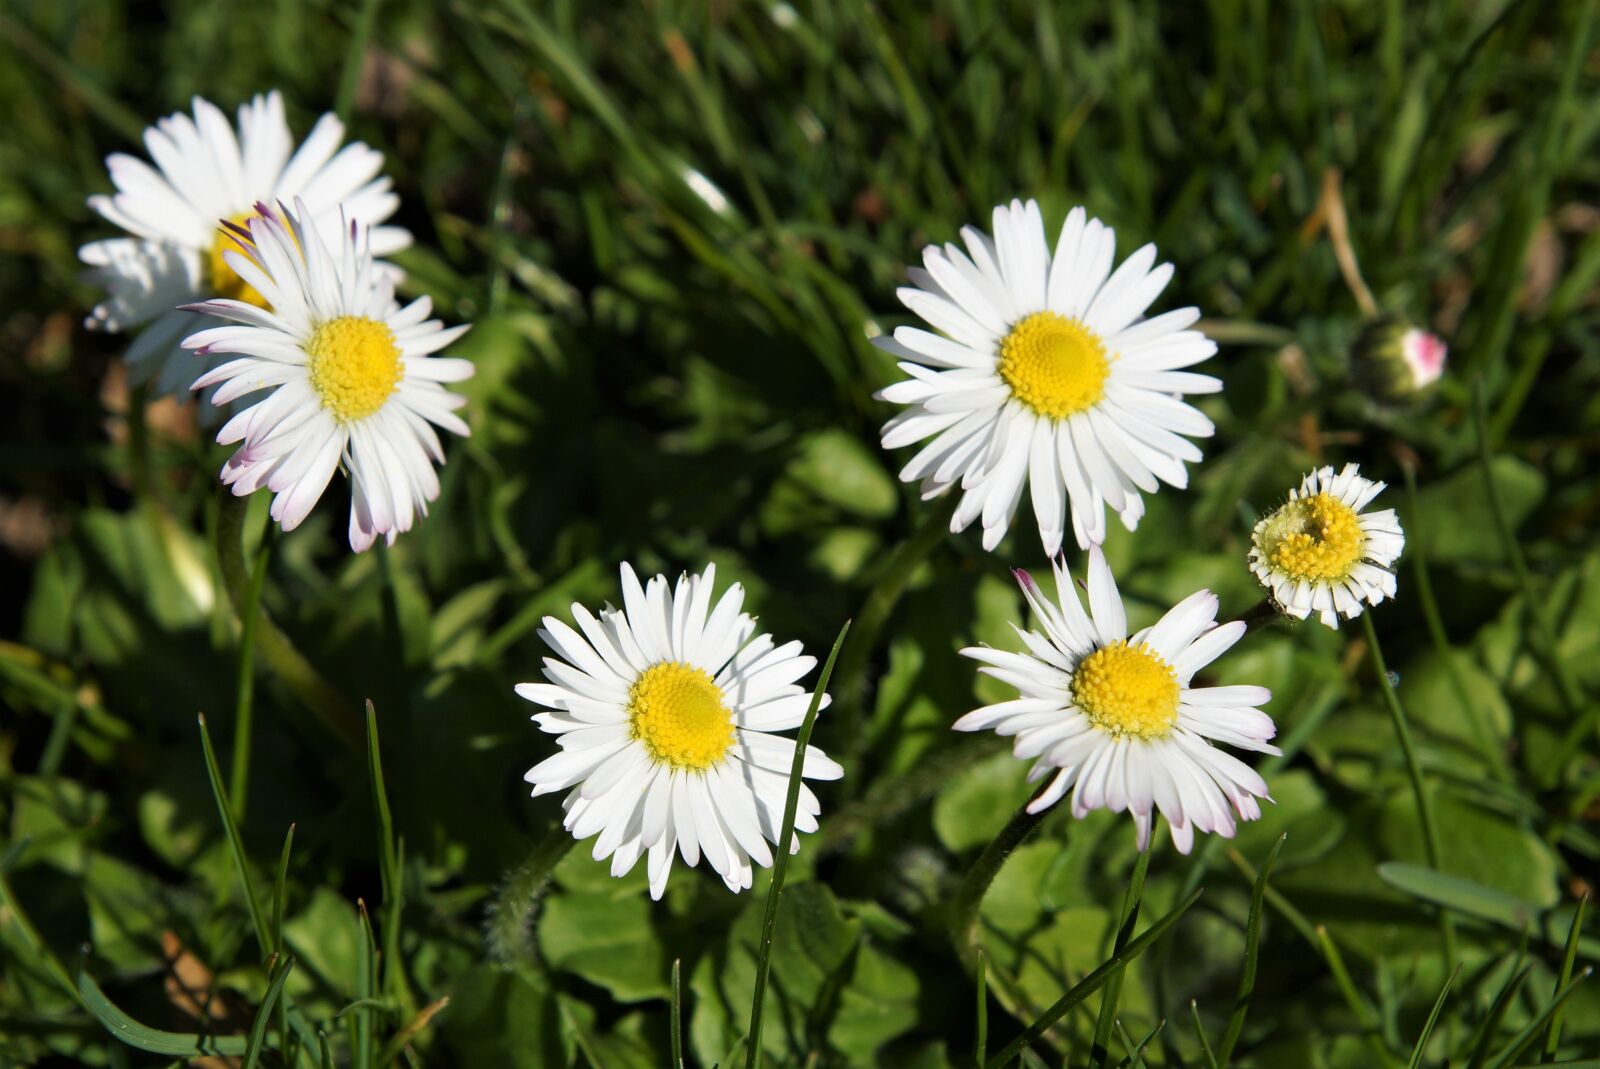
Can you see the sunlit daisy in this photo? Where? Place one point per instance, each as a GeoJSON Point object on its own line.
{"type": "Point", "coordinates": [351, 374]}
{"type": "Point", "coordinates": [666, 712]}
{"type": "Point", "coordinates": [204, 173]}
{"type": "Point", "coordinates": [1320, 552]}
{"type": "Point", "coordinates": [1115, 718]}
{"type": "Point", "coordinates": [1046, 373]}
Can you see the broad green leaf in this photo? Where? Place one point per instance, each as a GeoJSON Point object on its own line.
{"type": "Point", "coordinates": [1476, 844]}
{"type": "Point", "coordinates": [1455, 520]}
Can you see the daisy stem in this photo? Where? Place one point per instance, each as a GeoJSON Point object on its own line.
{"type": "Point", "coordinates": [781, 854]}
{"type": "Point", "coordinates": [1261, 614]}
{"type": "Point", "coordinates": [881, 600]}
{"type": "Point", "coordinates": [964, 913]}
{"type": "Point", "coordinates": [290, 665]}
{"type": "Point", "coordinates": [245, 694]}
{"type": "Point", "coordinates": [1129, 918]}
{"type": "Point", "coordinates": [1419, 789]}
{"type": "Point", "coordinates": [510, 927]}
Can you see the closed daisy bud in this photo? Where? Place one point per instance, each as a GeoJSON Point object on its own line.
{"type": "Point", "coordinates": [1397, 361]}
{"type": "Point", "coordinates": [1320, 552]}
{"type": "Point", "coordinates": [668, 713]}
{"type": "Point", "coordinates": [1116, 718]}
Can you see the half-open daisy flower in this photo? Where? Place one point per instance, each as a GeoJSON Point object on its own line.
{"type": "Point", "coordinates": [1045, 372]}
{"type": "Point", "coordinates": [1117, 721]}
{"type": "Point", "coordinates": [1320, 552]}
{"type": "Point", "coordinates": [351, 374]}
{"type": "Point", "coordinates": [666, 712]}
{"type": "Point", "coordinates": [205, 173]}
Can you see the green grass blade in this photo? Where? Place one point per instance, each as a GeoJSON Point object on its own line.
{"type": "Point", "coordinates": [366, 989]}
{"type": "Point", "coordinates": [103, 104]}
{"type": "Point", "coordinates": [389, 864]}
{"type": "Point", "coordinates": [1475, 900]}
{"type": "Point", "coordinates": [152, 1040]}
{"type": "Point", "coordinates": [13, 918]}
{"type": "Point", "coordinates": [355, 53]}
{"type": "Point", "coordinates": [1419, 786]}
{"type": "Point", "coordinates": [1093, 982]}
{"type": "Point", "coordinates": [1371, 1024]}
{"type": "Point", "coordinates": [258, 1028]}
{"type": "Point", "coordinates": [1433, 1019]}
{"type": "Point", "coordinates": [1200, 1034]}
{"type": "Point", "coordinates": [1100, 1050]}
{"type": "Point", "coordinates": [677, 1013]}
{"type": "Point", "coordinates": [780, 860]}
{"type": "Point", "coordinates": [1497, 1011]}
{"type": "Point", "coordinates": [1252, 948]}
{"type": "Point", "coordinates": [980, 1045]}
{"type": "Point", "coordinates": [396, 1043]}
{"type": "Point", "coordinates": [280, 891]}
{"type": "Point", "coordinates": [1529, 1032]}
{"type": "Point", "coordinates": [1135, 1058]}
{"type": "Point", "coordinates": [1569, 958]}
{"type": "Point", "coordinates": [241, 863]}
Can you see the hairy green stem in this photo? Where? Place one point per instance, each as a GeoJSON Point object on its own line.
{"type": "Point", "coordinates": [331, 707]}
{"type": "Point", "coordinates": [245, 694]}
{"type": "Point", "coordinates": [1419, 789]}
{"type": "Point", "coordinates": [964, 912]}
{"type": "Point", "coordinates": [509, 929]}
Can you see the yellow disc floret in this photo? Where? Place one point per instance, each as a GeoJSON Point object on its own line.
{"type": "Point", "coordinates": [1313, 538]}
{"type": "Point", "coordinates": [677, 711]}
{"type": "Point", "coordinates": [355, 366]}
{"type": "Point", "coordinates": [1054, 365]}
{"type": "Point", "coordinates": [221, 279]}
{"type": "Point", "coordinates": [1127, 690]}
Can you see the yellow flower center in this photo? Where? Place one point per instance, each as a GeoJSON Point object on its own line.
{"type": "Point", "coordinates": [1313, 538]}
{"type": "Point", "coordinates": [677, 712]}
{"type": "Point", "coordinates": [221, 279]}
{"type": "Point", "coordinates": [355, 366]}
{"type": "Point", "coordinates": [1054, 365]}
{"type": "Point", "coordinates": [1127, 690]}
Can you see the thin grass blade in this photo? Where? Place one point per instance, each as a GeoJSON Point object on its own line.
{"type": "Point", "coordinates": [241, 863]}
{"type": "Point", "coordinates": [1520, 1041]}
{"type": "Point", "coordinates": [153, 1040]}
{"type": "Point", "coordinates": [1093, 982]}
{"type": "Point", "coordinates": [1101, 1048]}
{"type": "Point", "coordinates": [1569, 958]}
{"type": "Point", "coordinates": [1433, 1019]}
{"type": "Point", "coordinates": [677, 1013]}
{"type": "Point", "coordinates": [258, 1028]}
{"type": "Point", "coordinates": [1200, 1034]}
{"type": "Point", "coordinates": [780, 860]}
{"type": "Point", "coordinates": [1252, 948]}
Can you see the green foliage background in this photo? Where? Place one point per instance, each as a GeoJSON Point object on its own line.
{"type": "Point", "coordinates": [668, 377]}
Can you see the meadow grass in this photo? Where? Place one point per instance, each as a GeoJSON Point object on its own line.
{"type": "Point", "coordinates": [675, 226]}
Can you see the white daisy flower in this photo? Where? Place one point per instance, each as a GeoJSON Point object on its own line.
{"type": "Point", "coordinates": [350, 371]}
{"type": "Point", "coordinates": [1045, 372]}
{"type": "Point", "coordinates": [666, 713]}
{"type": "Point", "coordinates": [205, 173]}
{"type": "Point", "coordinates": [1116, 720]}
{"type": "Point", "coordinates": [1320, 552]}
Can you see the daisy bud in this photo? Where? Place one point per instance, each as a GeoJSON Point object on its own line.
{"type": "Point", "coordinates": [1396, 360]}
